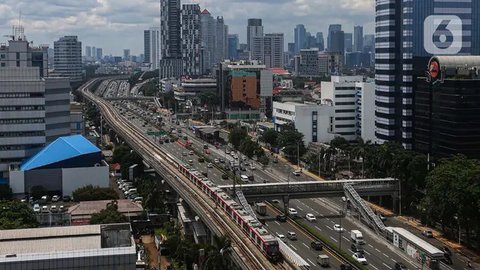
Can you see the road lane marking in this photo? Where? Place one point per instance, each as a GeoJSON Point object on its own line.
{"type": "Point", "coordinates": [374, 266]}
{"type": "Point", "coordinates": [331, 237]}
{"type": "Point", "coordinates": [278, 223]}
{"type": "Point", "coordinates": [368, 253]}
{"type": "Point", "coordinates": [385, 255]}
{"type": "Point", "coordinates": [329, 227]}
{"type": "Point", "coordinates": [387, 266]}
{"type": "Point", "coordinates": [296, 248]}
{"type": "Point", "coordinates": [377, 250]}
{"type": "Point", "coordinates": [318, 228]}
{"type": "Point", "coordinates": [310, 261]}
{"type": "Point", "coordinates": [393, 260]}
{"type": "Point", "coordinates": [305, 244]}
{"type": "Point", "coordinates": [299, 208]}
{"type": "Point", "coordinates": [346, 238]}
{"type": "Point", "coordinates": [370, 245]}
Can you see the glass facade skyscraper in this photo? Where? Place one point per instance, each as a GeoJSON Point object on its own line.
{"type": "Point", "coordinates": [408, 33]}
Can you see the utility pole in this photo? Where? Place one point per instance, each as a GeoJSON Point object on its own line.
{"type": "Point", "coordinates": [319, 165]}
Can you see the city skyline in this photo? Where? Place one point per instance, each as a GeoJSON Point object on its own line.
{"type": "Point", "coordinates": [109, 23]}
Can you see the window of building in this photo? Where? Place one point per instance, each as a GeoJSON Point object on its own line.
{"type": "Point", "coordinates": [18, 55]}
{"type": "Point", "coordinates": [2, 64]}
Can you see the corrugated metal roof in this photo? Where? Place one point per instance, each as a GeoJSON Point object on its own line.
{"type": "Point", "coordinates": [54, 239]}
{"type": "Point", "coordinates": [61, 149]}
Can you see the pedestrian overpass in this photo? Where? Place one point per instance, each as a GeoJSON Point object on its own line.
{"type": "Point", "coordinates": [351, 189]}
{"type": "Point", "coordinates": [315, 189]}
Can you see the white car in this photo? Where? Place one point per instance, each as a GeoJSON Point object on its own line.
{"type": "Point", "coordinates": [252, 167]}
{"type": "Point", "coordinates": [310, 217]}
{"type": "Point", "coordinates": [292, 212]}
{"type": "Point", "coordinates": [338, 228]}
{"type": "Point", "coordinates": [297, 173]}
{"type": "Point", "coordinates": [210, 165]}
{"type": "Point", "coordinates": [360, 258]}
{"type": "Point", "coordinates": [36, 208]}
{"type": "Point", "coordinates": [282, 237]}
{"type": "Point", "coordinates": [216, 161]}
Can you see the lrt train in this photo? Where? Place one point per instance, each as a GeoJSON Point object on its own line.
{"type": "Point", "coordinates": [266, 242]}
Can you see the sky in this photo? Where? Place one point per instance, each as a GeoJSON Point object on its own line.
{"type": "Point", "coordinates": [115, 25]}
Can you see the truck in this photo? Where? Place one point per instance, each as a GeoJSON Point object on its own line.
{"type": "Point", "coordinates": [357, 237]}
{"type": "Point", "coordinates": [261, 208]}
{"type": "Point", "coordinates": [323, 260]}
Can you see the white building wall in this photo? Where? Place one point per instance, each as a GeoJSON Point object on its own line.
{"type": "Point", "coordinates": [17, 182]}
{"type": "Point", "coordinates": [367, 110]}
{"type": "Point", "coordinates": [73, 178]}
{"type": "Point", "coordinates": [303, 117]}
{"type": "Point", "coordinates": [342, 91]}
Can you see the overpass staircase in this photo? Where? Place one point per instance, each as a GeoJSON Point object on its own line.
{"type": "Point", "coordinates": [365, 210]}
{"type": "Point", "coordinates": [243, 201]}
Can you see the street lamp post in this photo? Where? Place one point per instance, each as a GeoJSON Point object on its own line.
{"type": "Point", "coordinates": [341, 230]}
{"type": "Point", "coordinates": [298, 155]}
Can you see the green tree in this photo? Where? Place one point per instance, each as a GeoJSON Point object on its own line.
{"type": "Point", "coordinates": [5, 192]}
{"type": "Point", "coordinates": [94, 193]}
{"type": "Point", "coordinates": [38, 191]}
{"type": "Point", "coordinates": [236, 136]}
{"type": "Point", "coordinates": [292, 142]}
{"type": "Point", "coordinates": [16, 215]}
{"type": "Point", "coordinates": [340, 143]}
{"type": "Point", "coordinates": [269, 136]}
{"type": "Point", "coordinates": [108, 215]}
{"type": "Point", "coordinates": [124, 155]}
{"type": "Point", "coordinates": [452, 194]}
{"type": "Point", "coordinates": [152, 191]}
{"type": "Point", "coordinates": [360, 152]}
{"type": "Point", "coordinates": [219, 254]}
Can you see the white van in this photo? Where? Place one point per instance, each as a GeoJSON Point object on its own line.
{"type": "Point", "coordinates": [244, 178]}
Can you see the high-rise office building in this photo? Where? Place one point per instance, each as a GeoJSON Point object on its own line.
{"type": "Point", "coordinates": [190, 16]}
{"type": "Point", "coordinates": [94, 53]}
{"type": "Point", "coordinates": [170, 29]}
{"type": "Point", "coordinates": [348, 41]}
{"type": "Point", "coordinates": [57, 108]}
{"type": "Point", "coordinates": [170, 55]}
{"type": "Point", "coordinates": [320, 41]}
{"type": "Point", "coordinates": [331, 29]}
{"type": "Point", "coordinates": [126, 54]}
{"type": "Point", "coordinates": [337, 39]}
{"type": "Point", "coordinates": [221, 40]}
{"type": "Point", "coordinates": [233, 47]}
{"type": "Point", "coordinates": [27, 99]}
{"type": "Point", "coordinates": [369, 43]}
{"type": "Point", "coordinates": [447, 107]}
{"type": "Point", "coordinates": [207, 32]}
{"type": "Point", "coordinates": [68, 58]}
{"type": "Point", "coordinates": [151, 47]}
{"type": "Point", "coordinates": [300, 35]}
{"type": "Point", "coordinates": [269, 50]}
{"type": "Point", "coordinates": [408, 33]}
{"type": "Point", "coordinates": [88, 51]}
{"type": "Point", "coordinates": [358, 38]}
{"type": "Point", "coordinates": [99, 53]}
{"type": "Point", "coordinates": [254, 29]}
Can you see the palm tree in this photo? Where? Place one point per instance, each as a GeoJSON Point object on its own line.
{"type": "Point", "coordinates": [360, 151]}
{"type": "Point", "coordinates": [218, 255]}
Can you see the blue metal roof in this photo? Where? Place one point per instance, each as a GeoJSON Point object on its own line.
{"type": "Point", "coordinates": [61, 149]}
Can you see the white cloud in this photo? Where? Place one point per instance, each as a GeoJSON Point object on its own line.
{"type": "Point", "coordinates": [118, 24]}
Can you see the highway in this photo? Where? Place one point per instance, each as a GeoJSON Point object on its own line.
{"type": "Point", "coordinates": [249, 255]}
{"type": "Point", "coordinates": [301, 246]}
{"type": "Point", "coordinates": [379, 253]}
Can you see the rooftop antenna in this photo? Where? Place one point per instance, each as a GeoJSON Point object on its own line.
{"type": "Point", "coordinates": [18, 30]}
